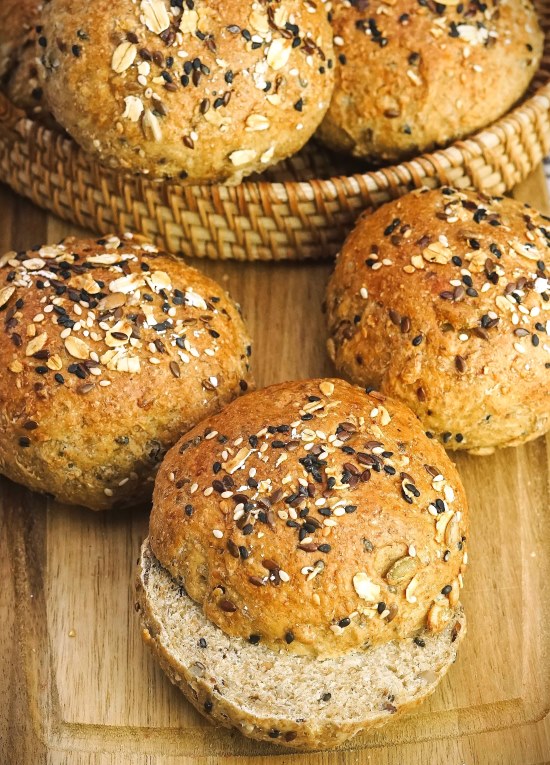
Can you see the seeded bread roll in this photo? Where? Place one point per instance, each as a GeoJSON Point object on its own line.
{"type": "Point", "coordinates": [411, 76]}
{"type": "Point", "coordinates": [315, 520]}
{"type": "Point", "coordinates": [203, 90]}
{"type": "Point", "coordinates": [24, 82]}
{"type": "Point", "coordinates": [17, 19]}
{"type": "Point", "coordinates": [442, 300]}
{"type": "Point", "coordinates": [296, 701]}
{"type": "Point", "coordinates": [111, 351]}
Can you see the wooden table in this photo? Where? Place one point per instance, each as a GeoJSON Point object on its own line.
{"type": "Point", "coordinates": [76, 684]}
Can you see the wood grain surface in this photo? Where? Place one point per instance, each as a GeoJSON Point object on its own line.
{"type": "Point", "coordinates": [78, 687]}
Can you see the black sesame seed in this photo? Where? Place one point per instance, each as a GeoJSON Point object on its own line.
{"type": "Point", "coordinates": [391, 228]}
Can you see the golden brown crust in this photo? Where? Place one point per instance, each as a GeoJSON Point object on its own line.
{"type": "Point", "coordinates": [410, 76]}
{"type": "Point", "coordinates": [313, 517]}
{"type": "Point", "coordinates": [442, 299]}
{"type": "Point", "coordinates": [110, 351]}
{"type": "Point", "coordinates": [209, 93]}
{"type": "Point", "coordinates": [17, 19]}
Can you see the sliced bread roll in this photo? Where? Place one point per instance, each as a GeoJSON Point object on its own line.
{"type": "Point", "coordinates": [296, 701]}
{"type": "Point", "coordinates": [306, 551]}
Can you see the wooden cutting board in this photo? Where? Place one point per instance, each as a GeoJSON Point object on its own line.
{"type": "Point", "coordinates": [77, 685]}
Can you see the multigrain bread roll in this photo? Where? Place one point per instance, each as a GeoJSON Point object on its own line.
{"type": "Point", "coordinates": [21, 70]}
{"type": "Point", "coordinates": [111, 351]}
{"type": "Point", "coordinates": [442, 300]}
{"type": "Point", "coordinates": [312, 530]}
{"type": "Point", "coordinates": [24, 82]}
{"type": "Point", "coordinates": [411, 76]}
{"type": "Point", "coordinates": [204, 90]}
{"type": "Point", "coordinates": [17, 19]}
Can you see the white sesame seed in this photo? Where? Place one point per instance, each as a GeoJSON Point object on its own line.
{"type": "Point", "coordinates": [217, 533]}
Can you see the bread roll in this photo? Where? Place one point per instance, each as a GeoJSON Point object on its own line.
{"type": "Point", "coordinates": [413, 76]}
{"type": "Point", "coordinates": [17, 19]}
{"type": "Point", "coordinates": [294, 701]}
{"type": "Point", "coordinates": [111, 351]}
{"type": "Point", "coordinates": [24, 84]}
{"type": "Point", "coordinates": [316, 524]}
{"type": "Point", "coordinates": [442, 300]}
{"type": "Point", "coordinates": [203, 90]}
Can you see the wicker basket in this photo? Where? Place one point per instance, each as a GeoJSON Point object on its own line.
{"type": "Point", "coordinates": [302, 209]}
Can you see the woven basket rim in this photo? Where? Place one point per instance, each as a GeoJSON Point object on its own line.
{"type": "Point", "coordinates": [373, 180]}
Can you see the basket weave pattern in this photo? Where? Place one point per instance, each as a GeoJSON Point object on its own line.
{"type": "Point", "coordinates": [291, 213]}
